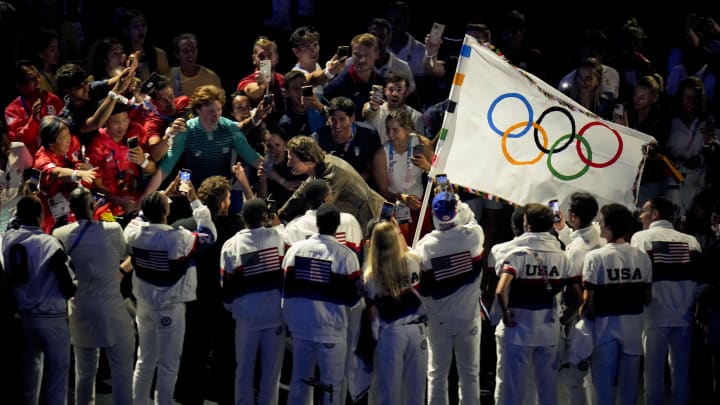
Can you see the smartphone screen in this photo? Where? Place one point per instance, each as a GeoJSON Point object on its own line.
{"type": "Point", "coordinates": [343, 51]}
{"type": "Point", "coordinates": [418, 149]}
{"type": "Point", "coordinates": [555, 207]}
{"type": "Point", "coordinates": [388, 209]}
{"type": "Point", "coordinates": [132, 142]}
{"type": "Point", "coordinates": [184, 180]}
{"type": "Point", "coordinates": [442, 181]}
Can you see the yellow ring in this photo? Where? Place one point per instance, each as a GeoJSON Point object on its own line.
{"type": "Point", "coordinates": [512, 128]}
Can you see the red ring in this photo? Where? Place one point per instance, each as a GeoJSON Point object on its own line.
{"type": "Point", "coordinates": [586, 160]}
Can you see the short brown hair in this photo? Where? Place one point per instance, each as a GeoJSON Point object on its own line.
{"type": "Point", "coordinates": [212, 191]}
{"type": "Point", "coordinates": [306, 149]}
{"type": "Point", "coordinates": [365, 39]}
{"type": "Point", "coordinates": [205, 95]}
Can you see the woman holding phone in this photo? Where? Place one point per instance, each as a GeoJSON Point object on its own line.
{"type": "Point", "coordinates": [398, 169]}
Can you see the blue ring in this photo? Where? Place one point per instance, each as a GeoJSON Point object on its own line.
{"type": "Point", "coordinates": [524, 101]}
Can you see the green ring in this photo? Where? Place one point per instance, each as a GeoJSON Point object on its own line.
{"type": "Point", "coordinates": [572, 176]}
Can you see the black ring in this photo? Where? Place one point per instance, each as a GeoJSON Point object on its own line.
{"type": "Point", "coordinates": [572, 133]}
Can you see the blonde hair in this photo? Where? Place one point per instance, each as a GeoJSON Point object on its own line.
{"type": "Point", "coordinates": [367, 39]}
{"type": "Point", "coordinates": [386, 264]}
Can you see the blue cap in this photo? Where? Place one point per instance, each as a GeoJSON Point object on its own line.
{"type": "Point", "coordinates": [444, 206]}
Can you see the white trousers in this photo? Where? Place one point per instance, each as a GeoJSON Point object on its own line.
{"type": "Point", "coordinates": [464, 341]}
{"type": "Point", "coordinates": [160, 336]}
{"type": "Point", "coordinates": [330, 358]}
{"type": "Point", "coordinates": [271, 344]}
{"type": "Point", "coordinates": [401, 364]}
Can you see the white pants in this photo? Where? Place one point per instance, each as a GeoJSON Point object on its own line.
{"type": "Point", "coordinates": [464, 341]}
{"type": "Point", "coordinates": [401, 364]}
{"type": "Point", "coordinates": [120, 358]}
{"type": "Point", "coordinates": [160, 336]}
{"type": "Point", "coordinates": [271, 344]}
{"type": "Point", "coordinates": [573, 383]}
{"type": "Point", "coordinates": [530, 397]}
{"type": "Point", "coordinates": [518, 362]}
{"type": "Point", "coordinates": [615, 374]}
{"type": "Point", "coordinates": [45, 350]}
{"type": "Point", "coordinates": [330, 358]}
{"type": "Point", "coordinates": [656, 344]}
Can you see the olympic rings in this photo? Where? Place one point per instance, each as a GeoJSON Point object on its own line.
{"type": "Point", "coordinates": [524, 101]}
{"type": "Point", "coordinates": [571, 176]}
{"type": "Point", "coordinates": [587, 160]}
{"type": "Point", "coordinates": [558, 145]}
{"type": "Point", "coordinates": [507, 135]}
{"type": "Point", "coordinates": [572, 128]}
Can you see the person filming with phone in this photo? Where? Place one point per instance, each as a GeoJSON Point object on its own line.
{"type": "Point", "coordinates": [398, 174]}
{"type": "Point", "coordinates": [121, 162]}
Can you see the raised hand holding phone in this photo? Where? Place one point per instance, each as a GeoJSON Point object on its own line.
{"type": "Point", "coordinates": [265, 67]}
{"type": "Point", "coordinates": [184, 181]}
{"type": "Point", "coordinates": [436, 33]}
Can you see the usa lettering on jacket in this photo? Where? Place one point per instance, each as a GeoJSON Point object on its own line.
{"type": "Point", "coordinates": [624, 274]}
{"type": "Point", "coordinates": [535, 270]}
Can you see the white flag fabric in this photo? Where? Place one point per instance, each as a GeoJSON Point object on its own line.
{"type": "Point", "coordinates": [509, 134]}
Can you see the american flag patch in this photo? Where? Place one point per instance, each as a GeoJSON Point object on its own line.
{"type": "Point", "coordinates": [451, 265]}
{"type": "Point", "coordinates": [340, 236]}
{"type": "Point", "coordinates": [262, 261]}
{"type": "Point", "coordinates": [670, 252]}
{"type": "Point", "coordinates": [311, 269]}
{"type": "Point", "coordinates": [151, 259]}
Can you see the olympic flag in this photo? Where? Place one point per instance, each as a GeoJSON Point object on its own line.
{"type": "Point", "coordinates": [509, 134]}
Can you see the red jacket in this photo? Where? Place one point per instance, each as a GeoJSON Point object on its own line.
{"type": "Point", "coordinates": [21, 125]}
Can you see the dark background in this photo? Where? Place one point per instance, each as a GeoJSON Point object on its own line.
{"type": "Point", "coordinates": [227, 29]}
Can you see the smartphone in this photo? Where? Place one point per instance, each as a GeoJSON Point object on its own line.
{"type": "Point", "coordinates": [442, 182]}
{"type": "Point", "coordinates": [32, 178]}
{"type": "Point", "coordinates": [271, 206]}
{"type": "Point", "coordinates": [343, 51]}
{"type": "Point", "coordinates": [378, 91]}
{"type": "Point", "coordinates": [388, 209]}
{"type": "Point", "coordinates": [100, 199]}
{"type": "Point", "coordinates": [436, 32]}
{"type": "Point", "coordinates": [265, 67]}
{"type": "Point", "coordinates": [555, 207]}
{"type": "Point", "coordinates": [619, 110]}
{"type": "Point", "coordinates": [307, 91]}
{"type": "Point", "coordinates": [132, 142]}
{"type": "Point", "coordinates": [148, 86]}
{"type": "Point", "coordinates": [268, 99]}
{"type": "Point", "coordinates": [188, 113]}
{"type": "Point", "coordinates": [184, 180]}
{"type": "Point", "coordinates": [418, 149]}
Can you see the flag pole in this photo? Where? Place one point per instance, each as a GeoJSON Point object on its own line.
{"type": "Point", "coordinates": [421, 217]}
